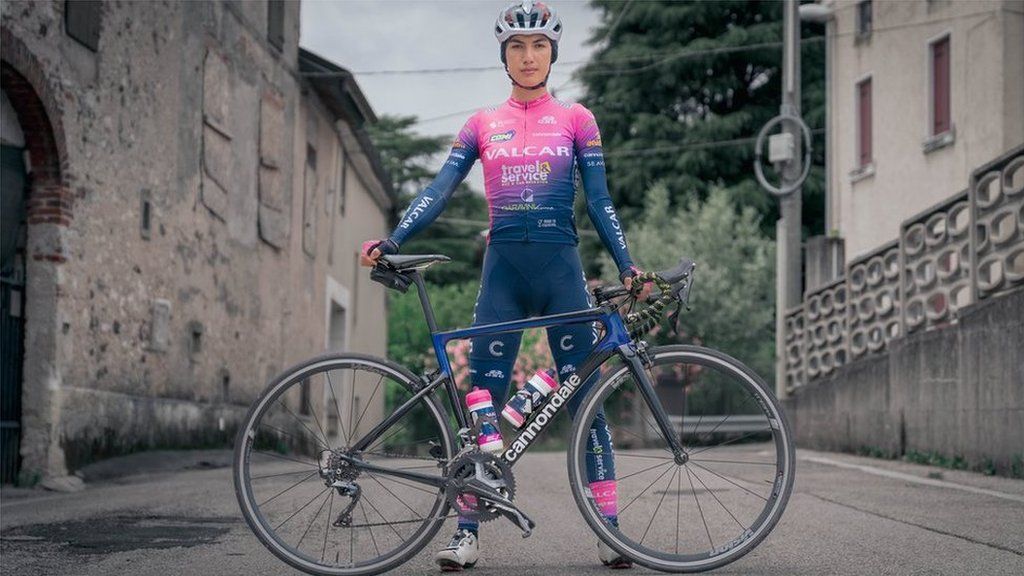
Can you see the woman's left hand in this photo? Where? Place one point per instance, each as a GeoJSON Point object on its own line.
{"type": "Point", "coordinates": [627, 281]}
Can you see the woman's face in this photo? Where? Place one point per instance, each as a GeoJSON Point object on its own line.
{"type": "Point", "coordinates": [528, 58]}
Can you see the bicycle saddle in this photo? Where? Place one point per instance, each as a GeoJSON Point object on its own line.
{"type": "Point", "coordinates": [403, 262]}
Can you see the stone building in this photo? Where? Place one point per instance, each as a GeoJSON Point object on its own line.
{"type": "Point", "coordinates": [189, 222]}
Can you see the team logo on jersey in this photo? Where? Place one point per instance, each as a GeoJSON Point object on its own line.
{"type": "Point", "coordinates": [595, 141]}
{"type": "Point", "coordinates": [525, 174]}
{"type": "Point", "coordinates": [526, 195]}
{"type": "Point", "coordinates": [458, 144]}
{"type": "Point", "coordinates": [503, 136]}
{"type": "Point", "coordinates": [528, 151]}
{"type": "Point", "coordinates": [547, 120]}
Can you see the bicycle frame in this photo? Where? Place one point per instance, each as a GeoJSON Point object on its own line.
{"type": "Point", "coordinates": [616, 339]}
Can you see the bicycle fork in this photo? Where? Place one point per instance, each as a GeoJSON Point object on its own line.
{"type": "Point", "coordinates": [636, 357]}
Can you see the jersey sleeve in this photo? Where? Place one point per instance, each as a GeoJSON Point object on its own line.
{"type": "Point", "coordinates": [590, 157]}
{"type": "Point", "coordinates": [430, 203]}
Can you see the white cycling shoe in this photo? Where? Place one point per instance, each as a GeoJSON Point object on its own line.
{"type": "Point", "coordinates": [611, 558]}
{"type": "Point", "coordinates": [462, 552]}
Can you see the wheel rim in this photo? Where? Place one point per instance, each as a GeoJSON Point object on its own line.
{"type": "Point", "coordinates": [326, 406]}
{"type": "Point", "coordinates": [722, 501]}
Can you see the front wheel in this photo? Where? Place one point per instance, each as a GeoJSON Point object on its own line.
{"type": "Point", "coordinates": [709, 508]}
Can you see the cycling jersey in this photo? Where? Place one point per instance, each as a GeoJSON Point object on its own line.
{"type": "Point", "coordinates": [528, 150]}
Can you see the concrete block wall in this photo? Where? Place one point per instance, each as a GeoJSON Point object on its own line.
{"type": "Point", "coordinates": [956, 391]}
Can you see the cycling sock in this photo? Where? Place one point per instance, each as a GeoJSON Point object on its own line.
{"type": "Point", "coordinates": [607, 499]}
{"type": "Point", "coordinates": [469, 524]}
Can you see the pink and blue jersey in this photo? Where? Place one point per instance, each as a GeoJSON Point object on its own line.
{"type": "Point", "coordinates": [528, 151]}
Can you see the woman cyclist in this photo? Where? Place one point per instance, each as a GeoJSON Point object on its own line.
{"type": "Point", "coordinates": [529, 146]}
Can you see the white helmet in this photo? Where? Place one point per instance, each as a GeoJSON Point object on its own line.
{"type": "Point", "coordinates": [528, 17]}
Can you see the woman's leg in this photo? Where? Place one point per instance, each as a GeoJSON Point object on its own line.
{"type": "Point", "coordinates": [570, 346]}
{"type": "Point", "coordinates": [491, 358]}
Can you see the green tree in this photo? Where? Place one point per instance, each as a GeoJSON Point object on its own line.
{"type": "Point", "coordinates": [412, 161]}
{"type": "Point", "coordinates": [734, 292]}
{"type": "Point", "coordinates": [679, 88]}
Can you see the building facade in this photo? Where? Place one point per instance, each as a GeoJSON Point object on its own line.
{"type": "Point", "coordinates": [191, 212]}
{"type": "Point", "coordinates": [922, 93]}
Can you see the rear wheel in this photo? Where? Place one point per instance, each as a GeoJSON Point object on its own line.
{"type": "Point", "coordinates": [299, 497]}
{"type": "Point", "coordinates": [730, 491]}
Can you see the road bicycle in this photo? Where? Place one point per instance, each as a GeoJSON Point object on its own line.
{"type": "Point", "coordinates": [349, 464]}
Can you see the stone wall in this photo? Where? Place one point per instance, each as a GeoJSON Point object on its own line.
{"type": "Point", "coordinates": [175, 277]}
{"type": "Point", "coordinates": [955, 391]}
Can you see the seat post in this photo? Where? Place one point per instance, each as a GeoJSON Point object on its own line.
{"type": "Point", "coordinates": [428, 310]}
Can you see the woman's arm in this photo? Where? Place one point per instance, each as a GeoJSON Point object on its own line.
{"type": "Point", "coordinates": [590, 157]}
{"type": "Point", "coordinates": [429, 204]}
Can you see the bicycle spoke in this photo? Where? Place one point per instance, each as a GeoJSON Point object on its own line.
{"type": "Point", "coordinates": [621, 478]}
{"type": "Point", "coordinates": [334, 395]}
{"type": "Point", "coordinates": [734, 462]}
{"type": "Point", "coordinates": [693, 491]}
{"type": "Point", "coordinates": [368, 403]}
{"type": "Point", "coordinates": [730, 481]}
{"type": "Point", "coordinates": [726, 443]}
{"type": "Point", "coordinates": [315, 516]}
{"type": "Point", "coordinates": [278, 527]}
{"type": "Point", "coordinates": [695, 428]}
{"type": "Point", "coordinates": [415, 513]}
{"type": "Point", "coordinates": [299, 438]}
{"type": "Point", "coordinates": [637, 497]}
{"type": "Point", "coordinates": [308, 476]}
{"type": "Point", "coordinates": [303, 424]}
{"type": "Point", "coordinates": [351, 403]}
{"type": "Point", "coordinates": [369, 527]}
{"type": "Point", "coordinates": [381, 441]}
{"type": "Point", "coordinates": [327, 527]}
{"type": "Point", "coordinates": [708, 490]}
{"type": "Point", "coordinates": [406, 484]}
{"type": "Point", "coordinates": [283, 457]}
{"type": "Point", "coordinates": [384, 518]}
{"type": "Point", "coordinates": [658, 507]}
{"type": "Point", "coordinates": [317, 420]}
{"type": "Point", "coordinates": [278, 475]}
{"type": "Point", "coordinates": [679, 494]}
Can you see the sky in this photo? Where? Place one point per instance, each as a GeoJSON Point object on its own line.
{"type": "Point", "coordinates": [383, 35]}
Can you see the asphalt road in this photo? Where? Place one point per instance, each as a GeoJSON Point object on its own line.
{"type": "Point", "coordinates": [848, 515]}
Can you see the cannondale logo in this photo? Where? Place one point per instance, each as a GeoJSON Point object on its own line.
{"type": "Point", "coordinates": [526, 195]}
{"type": "Point", "coordinates": [496, 344]}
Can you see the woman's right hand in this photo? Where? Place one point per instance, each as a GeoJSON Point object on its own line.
{"type": "Point", "coordinates": [372, 250]}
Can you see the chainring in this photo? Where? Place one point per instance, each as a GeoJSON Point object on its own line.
{"type": "Point", "coordinates": [495, 471]}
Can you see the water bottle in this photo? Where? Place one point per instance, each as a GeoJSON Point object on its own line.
{"type": "Point", "coordinates": [480, 405]}
{"type": "Point", "coordinates": [532, 395]}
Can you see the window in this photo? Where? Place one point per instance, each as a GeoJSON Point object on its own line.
{"type": "Point", "coordinates": [275, 23]}
{"type": "Point", "coordinates": [82, 21]}
{"type": "Point", "coordinates": [864, 19]}
{"type": "Point", "coordinates": [940, 105]}
{"type": "Point", "coordinates": [864, 123]}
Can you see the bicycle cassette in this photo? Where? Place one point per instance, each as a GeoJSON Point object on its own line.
{"type": "Point", "coordinates": [489, 469]}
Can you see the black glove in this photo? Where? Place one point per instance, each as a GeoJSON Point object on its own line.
{"type": "Point", "coordinates": [386, 246]}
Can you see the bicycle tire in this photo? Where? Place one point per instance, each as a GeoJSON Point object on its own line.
{"type": "Point", "coordinates": [781, 489]}
{"type": "Point", "coordinates": [247, 435]}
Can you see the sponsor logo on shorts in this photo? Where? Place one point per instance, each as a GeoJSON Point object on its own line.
{"type": "Point", "coordinates": [495, 374]}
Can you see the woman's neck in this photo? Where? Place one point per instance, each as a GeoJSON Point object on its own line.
{"type": "Point", "coordinates": [523, 95]}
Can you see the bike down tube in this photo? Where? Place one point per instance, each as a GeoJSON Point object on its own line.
{"type": "Point", "coordinates": [629, 355]}
{"type": "Point", "coordinates": [379, 429]}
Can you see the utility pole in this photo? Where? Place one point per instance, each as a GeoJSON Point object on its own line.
{"type": "Point", "coordinates": [787, 228]}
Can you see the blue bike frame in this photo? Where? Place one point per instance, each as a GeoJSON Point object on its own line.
{"type": "Point", "coordinates": [616, 339]}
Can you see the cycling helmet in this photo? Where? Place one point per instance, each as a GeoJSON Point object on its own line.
{"type": "Point", "coordinates": [528, 17]}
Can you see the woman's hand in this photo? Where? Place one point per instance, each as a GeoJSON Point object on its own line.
{"type": "Point", "coordinates": [627, 281]}
{"type": "Point", "coordinates": [372, 250]}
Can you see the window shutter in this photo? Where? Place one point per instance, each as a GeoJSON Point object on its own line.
{"type": "Point", "coordinates": [864, 120]}
{"type": "Point", "coordinates": [82, 21]}
{"type": "Point", "coordinates": [275, 23]}
{"type": "Point", "coordinates": [940, 87]}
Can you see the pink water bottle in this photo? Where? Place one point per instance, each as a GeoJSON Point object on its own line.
{"type": "Point", "coordinates": [532, 395]}
{"type": "Point", "coordinates": [480, 405]}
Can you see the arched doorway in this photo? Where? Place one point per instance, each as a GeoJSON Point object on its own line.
{"type": "Point", "coordinates": [14, 181]}
{"type": "Point", "coordinates": [47, 213]}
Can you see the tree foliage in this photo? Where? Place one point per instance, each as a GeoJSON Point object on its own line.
{"type": "Point", "coordinates": [411, 160]}
{"type": "Point", "coordinates": [734, 292]}
{"type": "Point", "coordinates": [679, 89]}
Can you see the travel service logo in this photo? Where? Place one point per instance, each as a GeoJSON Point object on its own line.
{"type": "Point", "coordinates": [525, 174]}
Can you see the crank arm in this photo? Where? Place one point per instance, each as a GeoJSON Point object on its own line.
{"type": "Point", "coordinates": [504, 506]}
